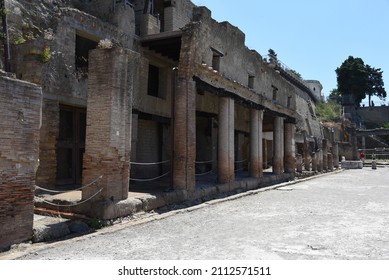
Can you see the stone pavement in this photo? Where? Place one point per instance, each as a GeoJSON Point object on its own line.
{"type": "Point", "coordinates": [336, 216]}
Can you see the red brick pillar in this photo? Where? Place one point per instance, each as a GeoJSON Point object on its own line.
{"type": "Point", "coordinates": [278, 142]}
{"type": "Point", "coordinates": [314, 161]}
{"type": "Point", "coordinates": [256, 135]}
{"type": "Point", "coordinates": [108, 132]}
{"type": "Point", "coordinates": [325, 155]}
{"type": "Point", "coordinates": [184, 136]}
{"type": "Point", "coordinates": [319, 160]}
{"type": "Point", "coordinates": [290, 148]}
{"type": "Point", "coordinates": [330, 163]}
{"type": "Point", "coordinates": [335, 150]}
{"type": "Point", "coordinates": [226, 172]}
{"type": "Point", "coordinates": [307, 165]}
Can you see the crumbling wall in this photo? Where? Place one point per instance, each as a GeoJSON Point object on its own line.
{"type": "Point", "coordinates": [237, 62]}
{"type": "Point", "coordinates": [20, 118]}
{"type": "Point", "coordinates": [177, 14]}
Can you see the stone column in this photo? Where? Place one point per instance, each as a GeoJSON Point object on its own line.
{"type": "Point", "coordinates": [108, 131]}
{"type": "Point", "coordinates": [290, 148]}
{"type": "Point", "coordinates": [314, 162]}
{"type": "Point", "coordinates": [134, 142]}
{"type": "Point", "coordinates": [335, 150]}
{"type": "Point", "coordinates": [256, 154]}
{"type": "Point", "coordinates": [325, 153]}
{"type": "Point", "coordinates": [363, 143]}
{"type": "Point", "coordinates": [226, 159]}
{"type": "Point", "coordinates": [184, 135]}
{"type": "Point", "coordinates": [299, 160]}
{"type": "Point", "coordinates": [330, 162]}
{"type": "Point", "coordinates": [278, 142]}
{"type": "Point", "coordinates": [307, 165]}
{"type": "Point", "coordinates": [319, 160]}
{"type": "Point", "coordinates": [264, 144]}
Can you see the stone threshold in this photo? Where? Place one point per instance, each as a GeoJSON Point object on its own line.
{"type": "Point", "coordinates": [144, 202]}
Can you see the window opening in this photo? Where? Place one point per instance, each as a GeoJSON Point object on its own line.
{"type": "Point", "coordinates": [251, 81]}
{"type": "Point", "coordinates": [153, 81]}
{"type": "Point", "coordinates": [83, 46]}
{"type": "Point", "coordinates": [275, 90]}
{"type": "Point", "coordinates": [216, 57]}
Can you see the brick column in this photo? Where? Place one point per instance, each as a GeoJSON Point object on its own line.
{"type": "Point", "coordinates": [307, 165]}
{"type": "Point", "coordinates": [256, 135]}
{"type": "Point", "coordinates": [278, 143]}
{"type": "Point", "coordinates": [325, 153]}
{"type": "Point", "coordinates": [314, 162]}
{"type": "Point", "coordinates": [184, 135]}
{"type": "Point", "coordinates": [319, 160]}
{"type": "Point", "coordinates": [20, 120]}
{"type": "Point", "coordinates": [108, 132]}
{"type": "Point", "coordinates": [226, 172]}
{"type": "Point", "coordinates": [330, 163]}
{"type": "Point", "coordinates": [335, 150]}
{"type": "Point", "coordinates": [264, 144]}
{"type": "Point", "coordinates": [290, 148]}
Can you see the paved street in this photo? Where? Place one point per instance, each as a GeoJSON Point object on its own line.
{"type": "Point", "coordinates": [336, 216]}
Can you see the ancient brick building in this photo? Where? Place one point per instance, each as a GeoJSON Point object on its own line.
{"type": "Point", "coordinates": [20, 118]}
{"type": "Point", "coordinates": [152, 89]}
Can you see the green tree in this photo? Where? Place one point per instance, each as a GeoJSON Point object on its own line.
{"type": "Point", "coordinates": [353, 78]}
{"type": "Point", "coordinates": [335, 96]}
{"type": "Point", "coordinates": [360, 80]}
{"type": "Point", "coordinates": [375, 83]}
{"type": "Point", "coordinates": [328, 111]}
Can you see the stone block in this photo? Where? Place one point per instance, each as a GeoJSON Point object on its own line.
{"type": "Point", "coordinates": [352, 164]}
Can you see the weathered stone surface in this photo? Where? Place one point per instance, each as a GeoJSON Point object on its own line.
{"type": "Point", "coordinates": [78, 227]}
{"type": "Point", "coordinates": [20, 117]}
{"type": "Point", "coordinates": [50, 232]}
{"type": "Point", "coordinates": [352, 164]}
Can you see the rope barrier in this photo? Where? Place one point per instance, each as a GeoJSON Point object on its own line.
{"type": "Point", "coordinates": [149, 163]}
{"type": "Point", "coordinates": [240, 169]}
{"type": "Point", "coordinates": [149, 180]}
{"type": "Point", "coordinates": [241, 161]}
{"type": "Point", "coordinates": [205, 173]}
{"type": "Point", "coordinates": [67, 205]}
{"type": "Point", "coordinates": [204, 162]}
{"type": "Point", "coordinates": [78, 189]}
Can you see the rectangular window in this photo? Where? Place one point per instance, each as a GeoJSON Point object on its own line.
{"type": "Point", "coordinates": [83, 46]}
{"type": "Point", "coordinates": [153, 82]}
{"type": "Point", "coordinates": [216, 62]}
{"type": "Point", "coordinates": [275, 90]}
{"type": "Point", "coordinates": [251, 81]}
{"type": "Point", "coordinates": [216, 57]}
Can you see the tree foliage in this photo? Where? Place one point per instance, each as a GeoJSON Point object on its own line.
{"type": "Point", "coordinates": [328, 111]}
{"type": "Point", "coordinates": [375, 83]}
{"type": "Point", "coordinates": [359, 79]}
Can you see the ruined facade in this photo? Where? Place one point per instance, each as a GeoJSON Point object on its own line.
{"type": "Point", "coordinates": [20, 118]}
{"type": "Point", "coordinates": [170, 95]}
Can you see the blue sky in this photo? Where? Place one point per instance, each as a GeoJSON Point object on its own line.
{"type": "Point", "coordinates": [312, 37]}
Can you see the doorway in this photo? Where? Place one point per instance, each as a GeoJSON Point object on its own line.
{"type": "Point", "coordinates": [71, 145]}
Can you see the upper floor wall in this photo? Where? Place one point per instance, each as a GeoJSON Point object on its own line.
{"type": "Point", "coordinates": [222, 47]}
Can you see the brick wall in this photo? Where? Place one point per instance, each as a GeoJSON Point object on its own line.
{"type": "Point", "coordinates": [20, 114]}
{"type": "Point", "coordinates": [108, 132]}
{"type": "Point", "coordinates": [178, 15]}
{"type": "Point", "coordinates": [47, 171]}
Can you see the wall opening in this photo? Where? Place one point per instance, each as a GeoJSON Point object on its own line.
{"type": "Point", "coordinates": [275, 90]}
{"type": "Point", "coordinates": [71, 145]}
{"type": "Point", "coordinates": [153, 81]}
{"type": "Point", "coordinates": [251, 80]}
{"type": "Point", "coordinates": [83, 46]}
